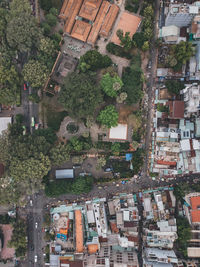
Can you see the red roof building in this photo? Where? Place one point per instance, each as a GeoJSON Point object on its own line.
{"type": "Point", "coordinates": [176, 109]}
{"type": "Point", "coordinates": [195, 212]}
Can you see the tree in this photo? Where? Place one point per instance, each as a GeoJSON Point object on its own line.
{"type": "Point", "coordinates": [145, 46]}
{"type": "Point", "coordinates": [4, 148]}
{"type": "Point", "coordinates": [116, 148]}
{"type": "Point", "coordinates": [22, 31]}
{"type": "Point", "coordinates": [48, 134]}
{"type": "Point", "coordinates": [76, 144]}
{"type": "Point", "coordinates": [171, 61]}
{"type": "Point", "coordinates": [132, 79]}
{"type": "Point", "coordinates": [35, 73]}
{"type": "Point", "coordinates": [125, 40]}
{"type": "Point", "coordinates": [101, 161]}
{"type": "Point", "coordinates": [19, 238]}
{"type": "Point", "coordinates": [138, 39]}
{"type": "Point", "coordinates": [183, 51]}
{"type": "Point", "coordinates": [80, 95]}
{"type": "Point", "coordinates": [93, 60]}
{"type": "Point", "coordinates": [59, 154]}
{"type": "Point", "coordinates": [121, 98]}
{"type": "Point", "coordinates": [137, 160]}
{"type": "Point", "coordinates": [31, 169]}
{"type": "Point", "coordinates": [174, 86]}
{"type": "Point", "coordinates": [184, 234]}
{"type": "Point", "coordinates": [51, 19]}
{"type": "Point", "coordinates": [9, 85]}
{"type": "Point", "coordinates": [46, 46]}
{"type": "Point", "coordinates": [111, 85]}
{"type": "Point", "coordinates": [108, 117]}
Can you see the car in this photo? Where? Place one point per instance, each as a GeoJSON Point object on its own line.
{"type": "Point", "coordinates": [32, 122]}
{"type": "Point", "coordinates": [32, 247]}
{"type": "Point", "coordinates": [110, 169]}
{"type": "Point", "coordinates": [31, 202]}
{"type": "Point", "coordinates": [36, 126]}
{"type": "Point", "coordinates": [25, 87]}
{"type": "Point", "coordinates": [35, 258]}
{"type": "Point", "coordinates": [36, 225]}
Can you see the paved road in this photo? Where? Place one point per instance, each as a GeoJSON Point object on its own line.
{"type": "Point", "coordinates": [151, 86]}
{"type": "Point", "coordinates": [30, 109]}
{"type": "Point", "coordinates": [34, 213]}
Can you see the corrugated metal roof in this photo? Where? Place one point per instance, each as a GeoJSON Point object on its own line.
{"type": "Point", "coordinates": [65, 174]}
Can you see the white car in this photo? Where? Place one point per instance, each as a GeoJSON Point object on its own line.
{"type": "Point", "coordinates": [31, 202]}
{"type": "Point", "coordinates": [35, 259]}
{"type": "Point", "coordinates": [36, 225]}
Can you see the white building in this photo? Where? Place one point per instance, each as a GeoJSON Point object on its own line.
{"type": "Point", "coordinates": [4, 122]}
{"type": "Point", "coordinates": [170, 34]}
{"type": "Point", "coordinates": [181, 15]}
{"type": "Point", "coordinates": [191, 95]}
{"type": "Point", "coordinates": [153, 256]}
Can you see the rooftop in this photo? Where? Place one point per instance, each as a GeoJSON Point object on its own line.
{"type": "Point", "coordinates": [128, 23]}
{"type": "Point", "coordinates": [4, 122]}
{"type": "Point", "coordinates": [176, 109]}
{"type": "Point", "coordinates": [81, 30]}
{"type": "Point", "coordinates": [119, 132]}
{"type": "Point", "coordinates": [89, 9]}
{"type": "Point", "coordinates": [79, 231]}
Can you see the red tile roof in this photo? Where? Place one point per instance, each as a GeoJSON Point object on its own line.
{"type": "Point", "coordinates": [170, 163]}
{"type": "Point", "coordinates": [195, 213]}
{"type": "Point", "coordinates": [195, 202]}
{"type": "Point", "coordinates": [176, 109]}
{"type": "Point", "coordinates": [195, 216]}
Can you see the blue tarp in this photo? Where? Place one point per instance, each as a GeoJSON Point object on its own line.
{"type": "Point", "coordinates": [129, 156]}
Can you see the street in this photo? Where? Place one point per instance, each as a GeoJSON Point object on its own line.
{"type": "Point", "coordinates": [30, 109]}
{"type": "Point", "coordinates": [151, 86]}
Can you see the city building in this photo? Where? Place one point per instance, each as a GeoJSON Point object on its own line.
{"type": "Point", "coordinates": [96, 233]}
{"type": "Point", "coordinates": [155, 256]}
{"type": "Point", "coordinates": [88, 19]}
{"type": "Point", "coordinates": [191, 96]}
{"type": "Point", "coordinates": [181, 15]}
{"type": "Point", "coordinates": [192, 211]}
{"type": "Point", "coordinates": [4, 122]}
{"type": "Point", "coordinates": [170, 34]}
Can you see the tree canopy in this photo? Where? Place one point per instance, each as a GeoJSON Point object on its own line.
{"type": "Point", "coordinates": [174, 86]}
{"type": "Point", "coordinates": [80, 95]}
{"type": "Point", "coordinates": [125, 39]}
{"type": "Point", "coordinates": [59, 154]}
{"type": "Point", "coordinates": [108, 116]}
{"type": "Point", "coordinates": [9, 85]}
{"type": "Point", "coordinates": [183, 51]}
{"type": "Point", "coordinates": [22, 31]}
{"type": "Point", "coordinates": [133, 82]}
{"type": "Point", "coordinates": [93, 60]}
{"type": "Point", "coordinates": [111, 85]}
{"type": "Point", "coordinates": [35, 73]}
{"type": "Point", "coordinates": [19, 238]}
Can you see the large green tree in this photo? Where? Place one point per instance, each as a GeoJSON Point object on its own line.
{"type": "Point", "coordinates": [111, 85]}
{"type": "Point", "coordinates": [30, 169]}
{"type": "Point", "coordinates": [35, 73]}
{"type": "Point", "coordinates": [19, 238]}
{"type": "Point", "coordinates": [174, 86]}
{"type": "Point", "coordinates": [80, 95]}
{"type": "Point", "coordinates": [108, 117]}
{"type": "Point", "coordinates": [22, 31]}
{"type": "Point", "coordinates": [133, 83]}
{"type": "Point", "coordinates": [93, 60]}
{"type": "Point", "coordinates": [125, 39]}
{"type": "Point", "coordinates": [183, 51]}
{"type": "Point", "coordinates": [9, 85]}
{"type": "Point", "coordinates": [59, 154]}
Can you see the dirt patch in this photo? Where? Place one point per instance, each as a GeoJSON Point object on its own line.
{"type": "Point", "coordinates": [7, 253]}
{"type": "Point", "coordinates": [125, 111]}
